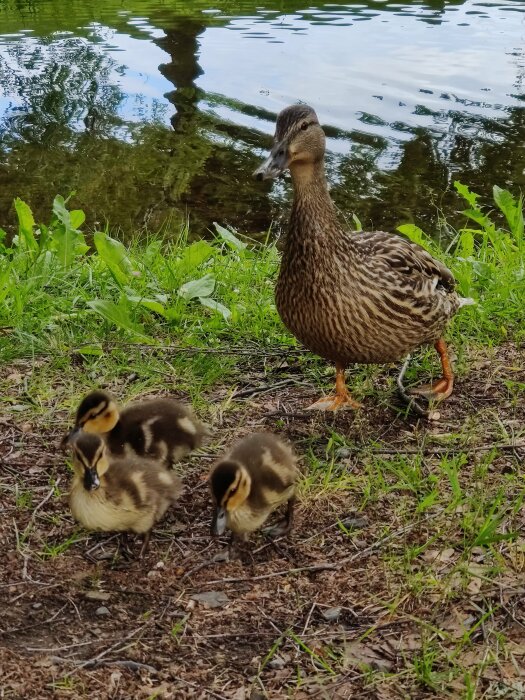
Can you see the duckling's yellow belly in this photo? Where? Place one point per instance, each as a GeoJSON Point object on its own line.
{"type": "Point", "coordinates": [95, 512]}
{"type": "Point", "coordinates": [355, 328]}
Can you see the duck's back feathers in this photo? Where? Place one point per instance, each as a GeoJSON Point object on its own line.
{"type": "Point", "coordinates": [162, 429]}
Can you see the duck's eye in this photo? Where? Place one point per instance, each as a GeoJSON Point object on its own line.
{"type": "Point", "coordinates": [233, 491]}
{"type": "Point", "coordinates": [304, 126]}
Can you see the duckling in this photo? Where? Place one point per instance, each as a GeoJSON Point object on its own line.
{"type": "Point", "coordinates": [369, 297]}
{"type": "Point", "coordinates": [128, 494]}
{"type": "Point", "coordinates": [163, 429]}
{"type": "Point", "coordinates": [257, 476]}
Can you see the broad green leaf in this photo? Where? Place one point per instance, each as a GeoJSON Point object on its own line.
{"type": "Point", "coordinates": [478, 216]}
{"type": "Point", "coordinates": [96, 350]}
{"type": "Point", "coordinates": [463, 191]}
{"type": "Point", "coordinates": [358, 225]}
{"type": "Point", "coordinates": [64, 244]}
{"type": "Point", "coordinates": [465, 246]}
{"type": "Point", "coordinates": [114, 255]}
{"type": "Point", "coordinates": [61, 212]}
{"type": "Point", "coordinates": [26, 223]}
{"type": "Point", "coordinates": [118, 315]}
{"type": "Point", "coordinates": [216, 306]}
{"type": "Point", "coordinates": [194, 255]}
{"type": "Point", "coordinates": [202, 287]}
{"type": "Point", "coordinates": [77, 218]}
{"type": "Point", "coordinates": [512, 210]}
{"type": "Point", "coordinates": [415, 234]}
{"type": "Point", "coordinates": [229, 237]}
{"type": "Point", "coordinates": [150, 304]}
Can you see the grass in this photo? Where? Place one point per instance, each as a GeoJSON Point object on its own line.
{"type": "Point", "coordinates": [429, 607]}
{"type": "Point", "coordinates": [60, 296]}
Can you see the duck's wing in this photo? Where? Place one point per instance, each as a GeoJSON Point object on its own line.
{"type": "Point", "coordinates": [395, 256]}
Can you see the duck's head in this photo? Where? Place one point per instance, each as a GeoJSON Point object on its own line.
{"type": "Point", "coordinates": [90, 459]}
{"type": "Point", "coordinates": [299, 140]}
{"type": "Point", "coordinates": [230, 486]}
{"type": "Point", "coordinates": [97, 413]}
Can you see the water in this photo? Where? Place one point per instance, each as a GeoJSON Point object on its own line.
{"type": "Point", "coordinates": [156, 111]}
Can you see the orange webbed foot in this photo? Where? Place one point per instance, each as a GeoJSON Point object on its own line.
{"type": "Point", "coordinates": [341, 398]}
{"type": "Point", "coordinates": [438, 391]}
{"type": "Point", "coordinates": [334, 402]}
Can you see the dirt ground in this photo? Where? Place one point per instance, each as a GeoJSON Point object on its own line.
{"type": "Point", "coordinates": [330, 612]}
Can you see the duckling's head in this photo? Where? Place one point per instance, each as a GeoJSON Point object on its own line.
{"type": "Point", "coordinates": [299, 141]}
{"type": "Point", "coordinates": [230, 486]}
{"type": "Point", "coordinates": [97, 413]}
{"type": "Point", "coordinates": [90, 460]}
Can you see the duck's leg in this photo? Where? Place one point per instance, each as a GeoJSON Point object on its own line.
{"type": "Point", "coordinates": [412, 403]}
{"type": "Point", "coordinates": [443, 387]}
{"type": "Point", "coordinates": [340, 399]}
{"type": "Point", "coordinates": [285, 525]}
{"type": "Point", "coordinates": [145, 544]}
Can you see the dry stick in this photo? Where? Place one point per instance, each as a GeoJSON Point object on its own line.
{"type": "Point", "coordinates": [508, 611]}
{"type": "Point", "coordinates": [95, 660]}
{"type": "Point", "coordinates": [328, 566]}
{"type": "Point", "coordinates": [252, 391]}
{"type": "Point", "coordinates": [308, 618]}
{"type": "Point", "coordinates": [126, 663]}
{"type": "Point", "coordinates": [195, 350]}
{"type": "Point", "coordinates": [196, 685]}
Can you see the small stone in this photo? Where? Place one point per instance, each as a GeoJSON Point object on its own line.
{"type": "Point", "coordinates": [213, 599]}
{"type": "Point", "coordinates": [434, 416]}
{"type": "Point", "coordinates": [355, 522]}
{"type": "Point", "coordinates": [343, 453]}
{"type": "Point", "coordinates": [102, 611]}
{"type": "Point", "coordinates": [160, 565]}
{"type": "Point", "coordinates": [277, 663]}
{"type": "Point", "coordinates": [97, 595]}
{"type": "Point", "coordinates": [331, 614]}
{"type": "Point", "coordinates": [36, 606]}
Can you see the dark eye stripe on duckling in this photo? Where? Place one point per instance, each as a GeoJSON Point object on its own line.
{"type": "Point", "coordinates": [94, 413]}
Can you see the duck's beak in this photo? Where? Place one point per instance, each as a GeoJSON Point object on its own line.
{"type": "Point", "coordinates": [68, 437]}
{"type": "Point", "coordinates": [218, 524]}
{"type": "Point", "coordinates": [275, 164]}
{"type": "Point", "coordinates": [91, 479]}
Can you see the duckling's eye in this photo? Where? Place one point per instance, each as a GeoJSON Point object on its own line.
{"type": "Point", "coordinates": [304, 126]}
{"type": "Point", "coordinates": [233, 491]}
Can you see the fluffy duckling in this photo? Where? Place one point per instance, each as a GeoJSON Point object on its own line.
{"type": "Point", "coordinates": [122, 495]}
{"type": "Point", "coordinates": [257, 476]}
{"type": "Point", "coordinates": [163, 429]}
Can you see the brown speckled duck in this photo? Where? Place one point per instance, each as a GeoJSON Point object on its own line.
{"type": "Point", "coordinates": [367, 297]}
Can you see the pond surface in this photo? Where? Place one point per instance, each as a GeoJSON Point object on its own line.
{"type": "Point", "coordinates": [156, 111]}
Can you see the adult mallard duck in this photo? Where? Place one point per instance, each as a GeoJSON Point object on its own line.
{"type": "Point", "coordinates": [368, 297]}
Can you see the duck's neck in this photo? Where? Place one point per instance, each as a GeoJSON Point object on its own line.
{"type": "Point", "coordinates": [313, 215]}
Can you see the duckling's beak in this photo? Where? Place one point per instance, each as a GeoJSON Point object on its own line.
{"type": "Point", "coordinates": [91, 480]}
{"type": "Point", "coordinates": [68, 437]}
{"type": "Point", "coordinates": [218, 524]}
{"type": "Point", "coordinates": [275, 164]}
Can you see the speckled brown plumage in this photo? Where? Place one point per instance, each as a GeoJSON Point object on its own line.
{"type": "Point", "coordinates": [367, 297]}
